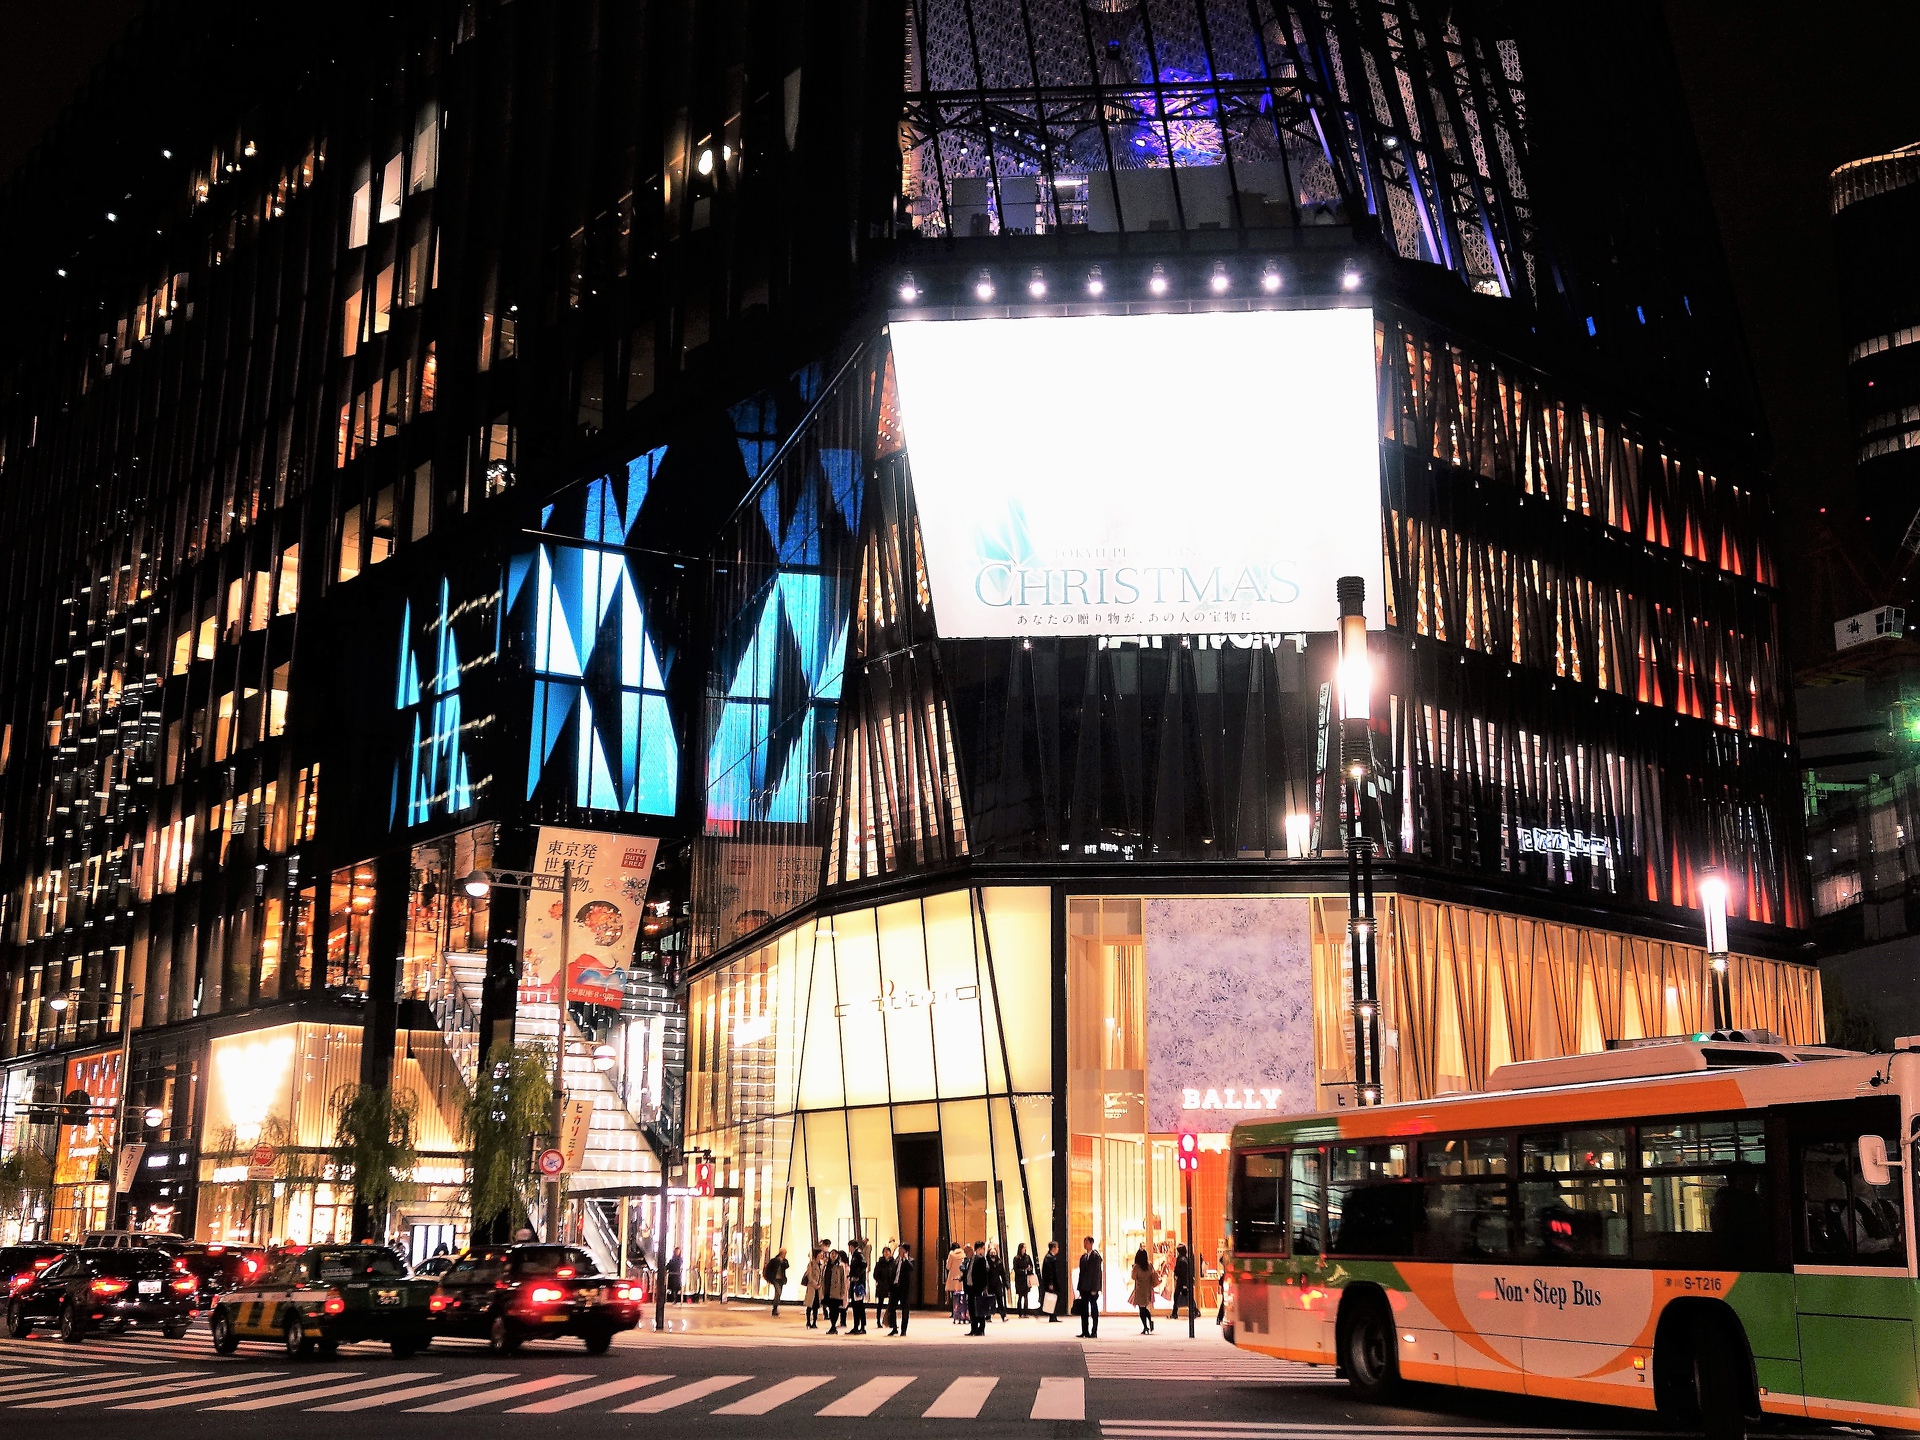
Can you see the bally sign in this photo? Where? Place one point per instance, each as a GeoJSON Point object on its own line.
{"type": "Point", "coordinates": [1535, 839]}
{"type": "Point", "coordinates": [1245, 1097]}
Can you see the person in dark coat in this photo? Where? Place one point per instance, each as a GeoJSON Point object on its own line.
{"type": "Point", "coordinates": [977, 1276]}
{"type": "Point", "coordinates": [1022, 1278]}
{"type": "Point", "coordinates": [857, 1271]}
{"type": "Point", "coordinates": [883, 1272]}
{"type": "Point", "coordinates": [997, 1293]}
{"type": "Point", "coordinates": [776, 1276]}
{"type": "Point", "coordinates": [903, 1287]}
{"type": "Point", "coordinates": [1053, 1281]}
{"type": "Point", "coordinates": [675, 1268]}
{"type": "Point", "coordinates": [1090, 1283]}
{"type": "Point", "coordinates": [1183, 1287]}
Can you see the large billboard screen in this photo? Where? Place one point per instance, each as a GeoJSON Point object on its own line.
{"type": "Point", "coordinates": [1143, 474]}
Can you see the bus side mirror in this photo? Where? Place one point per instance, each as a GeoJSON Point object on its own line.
{"type": "Point", "coordinates": [1875, 1168]}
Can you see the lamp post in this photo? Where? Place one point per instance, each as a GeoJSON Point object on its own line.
{"type": "Point", "coordinates": [1713, 911]}
{"type": "Point", "coordinates": [478, 884]}
{"type": "Point", "coordinates": [1355, 677]}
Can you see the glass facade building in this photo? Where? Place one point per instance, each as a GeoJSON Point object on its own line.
{"type": "Point", "coordinates": [527, 432]}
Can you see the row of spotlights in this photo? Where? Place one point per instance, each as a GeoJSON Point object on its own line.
{"type": "Point", "coordinates": [1220, 282]}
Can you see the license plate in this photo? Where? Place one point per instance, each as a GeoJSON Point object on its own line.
{"type": "Point", "coordinates": [592, 1294]}
{"type": "Point", "coordinates": [553, 1319]}
{"type": "Point", "coordinates": [149, 1287]}
{"type": "Point", "coordinates": [386, 1297]}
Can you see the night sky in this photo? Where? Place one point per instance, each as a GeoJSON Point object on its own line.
{"type": "Point", "coordinates": [1780, 94]}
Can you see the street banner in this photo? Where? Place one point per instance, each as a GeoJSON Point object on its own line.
{"type": "Point", "coordinates": [126, 1166]}
{"type": "Point", "coordinates": [576, 1124]}
{"type": "Point", "coordinates": [610, 877]}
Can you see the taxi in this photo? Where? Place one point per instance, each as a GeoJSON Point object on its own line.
{"type": "Point", "coordinates": [515, 1293]}
{"type": "Point", "coordinates": [317, 1297]}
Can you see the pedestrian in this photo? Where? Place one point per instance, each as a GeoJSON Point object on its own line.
{"type": "Point", "coordinates": [857, 1286]}
{"type": "Point", "coordinates": [816, 1271]}
{"type": "Point", "coordinates": [1053, 1281]}
{"type": "Point", "coordinates": [956, 1283]}
{"type": "Point", "coordinates": [1220, 1260]}
{"type": "Point", "coordinates": [883, 1272]}
{"type": "Point", "coordinates": [1090, 1284]}
{"type": "Point", "coordinates": [776, 1276]}
{"type": "Point", "coordinates": [903, 1286]}
{"type": "Point", "coordinates": [1022, 1278]}
{"type": "Point", "coordinates": [1144, 1284]}
{"type": "Point", "coordinates": [978, 1280]}
{"type": "Point", "coordinates": [997, 1293]}
{"type": "Point", "coordinates": [675, 1267]}
{"type": "Point", "coordinates": [833, 1289]}
{"type": "Point", "coordinates": [1183, 1287]}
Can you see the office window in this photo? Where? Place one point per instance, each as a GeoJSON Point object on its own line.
{"type": "Point", "coordinates": [350, 324]}
{"type": "Point", "coordinates": [260, 610]}
{"type": "Point", "coordinates": [182, 651]}
{"type": "Point", "coordinates": [236, 607]}
{"type": "Point", "coordinates": [390, 183]}
{"type": "Point", "coordinates": [414, 275]}
{"type": "Point", "coordinates": [426, 151]}
{"type": "Point", "coordinates": [383, 300]}
{"type": "Point", "coordinates": [208, 637]}
{"type": "Point", "coordinates": [288, 600]}
{"type": "Point", "coordinates": [381, 539]}
{"type": "Point", "coordinates": [429, 379]}
{"type": "Point", "coordinates": [357, 223]}
{"type": "Point", "coordinates": [350, 543]}
{"type": "Point", "coordinates": [344, 447]}
{"type": "Point", "coordinates": [223, 728]}
{"type": "Point", "coordinates": [277, 700]}
{"type": "Point", "coordinates": [422, 516]}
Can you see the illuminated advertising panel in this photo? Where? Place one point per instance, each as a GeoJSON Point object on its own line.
{"type": "Point", "coordinates": [1143, 474]}
{"type": "Point", "coordinates": [607, 908]}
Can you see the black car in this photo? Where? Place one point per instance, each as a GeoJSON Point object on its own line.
{"type": "Point", "coordinates": [216, 1268]}
{"type": "Point", "coordinates": [20, 1263]}
{"type": "Point", "coordinates": [320, 1297]}
{"type": "Point", "coordinates": [105, 1289]}
{"type": "Point", "coordinates": [514, 1293]}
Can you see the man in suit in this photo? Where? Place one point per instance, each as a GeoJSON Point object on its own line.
{"type": "Point", "coordinates": [978, 1278]}
{"type": "Point", "coordinates": [1053, 1281]}
{"type": "Point", "coordinates": [883, 1273]}
{"type": "Point", "coordinates": [902, 1288]}
{"type": "Point", "coordinates": [1092, 1281]}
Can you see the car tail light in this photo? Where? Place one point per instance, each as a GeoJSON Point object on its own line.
{"type": "Point", "coordinates": [44, 1261]}
{"type": "Point", "coordinates": [436, 1303]}
{"type": "Point", "coordinates": [546, 1294]}
{"type": "Point", "coordinates": [335, 1304]}
{"type": "Point", "coordinates": [107, 1287]}
{"type": "Point", "coordinates": [251, 1264]}
{"type": "Point", "coordinates": [21, 1281]}
{"type": "Point", "coordinates": [184, 1285]}
{"type": "Point", "coordinates": [565, 1272]}
{"type": "Point", "coordinates": [626, 1292]}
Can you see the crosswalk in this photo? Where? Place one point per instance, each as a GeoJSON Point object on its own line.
{"type": "Point", "coordinates": [429, 1392]}
{"type": "Point", "coordinates": [1213, 1363]}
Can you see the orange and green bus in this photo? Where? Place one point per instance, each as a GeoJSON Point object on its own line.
{"type": "Point", "coordinates": [1714, 1228]}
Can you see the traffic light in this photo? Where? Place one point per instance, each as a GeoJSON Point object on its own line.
{"type": "Point", "coordinates": [1189, 1150]}
{"type": "Point", "coordinates": [703, 1177]}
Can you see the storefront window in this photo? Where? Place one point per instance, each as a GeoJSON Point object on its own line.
{"type": "Point", "coordinates": [350, 926]}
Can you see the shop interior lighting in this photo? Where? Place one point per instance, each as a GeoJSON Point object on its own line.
{"type": "Point", "coordinates": [1096, 283]}
{"type": "Point", "coordinates": [1157, 283]}
{"type": "Point", "coordinates": [909, 292]}
{"type": "Point", "coordinates": [1037, 285]}
{"type": "Point", "coordinates": [1350, 280]}
{"type": "Point", "coordinates": [1270, 277]}
{"type": "Point", "coordinates": [983, 287]}
{"type": "Point", "coordinates": [1221, 281]}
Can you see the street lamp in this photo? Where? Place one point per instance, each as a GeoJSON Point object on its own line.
{"type": "Point", "coordinates": [480, 883]}
{"type": "Point", "coordinates": [1354, 676]}
{"type": "Point", "coordinates": [1713, 912]}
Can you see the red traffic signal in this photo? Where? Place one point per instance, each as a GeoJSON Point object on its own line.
{"type": "Point", "coordinates": [703, 1177]}
{"type": "Point", "coordinates": [1189, 1150]}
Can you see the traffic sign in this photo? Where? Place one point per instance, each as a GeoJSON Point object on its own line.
{"type": "Point", "coordinates": [260, 1163]}
{"type": "Point", "coordinates": [551, 1163]}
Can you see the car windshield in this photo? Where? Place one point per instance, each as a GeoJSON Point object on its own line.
{"type": "Point", "coordinates": [128, 1264]}
{"type": "Point", "coordinates": [552, 1259]}
{"type": "Point", "coordinates": [353, 1264]}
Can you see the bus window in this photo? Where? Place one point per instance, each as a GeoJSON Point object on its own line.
{"type": "Point", "coordinates": [1259, 1200]}
{"type": "Point", "coordinates": [1573, 1194]}
{"type": "Point", "coordinates": [1370, 1208]}
{"type": "Point", "coordinates": [1839, 1219]}
{"type": "Point", "coordinates": [1473, 1155]}
{"type": "Point", "coordinates": [1465, 1220]}
{"type": "Point", "coordinates": [1704, 1194]}
{"type": "Point", "coordinates": [1304, 1213]}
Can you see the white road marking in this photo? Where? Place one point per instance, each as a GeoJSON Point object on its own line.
{"type": "Point", "coordinates": [412, 1392]}
{"type": "Point", "coordinates": [505, 1392]}
{"type": "Point", "coordinates": [682, 1395]}
{"type": "Point", "coordinates": [869, 1397]}
{"type": "Point", "coordinates": [94, 1385]}
{"type": "Point", "coordinates": [962, 1399]}
{"type": "Point", "coordinates": [301, 1397]}
{"type": "Point", "coordinates": [1061, 1397]}
{"type": "Point", "coordinates": [150, 1385]}
{"type": "Point", "coordinates": [761, 1401]}
{"type": "Point", "coordinates": [169, 1402]}
{"type": "Point", "coordinates": [575, 1398]}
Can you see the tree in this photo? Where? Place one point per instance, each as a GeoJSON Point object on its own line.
{"type": "Point", "coordinates": [24, 1175]}
{"type": "Point", "coordinates": [373, 1142]}
{"type": "Point", "coordinates": [512, 1099]}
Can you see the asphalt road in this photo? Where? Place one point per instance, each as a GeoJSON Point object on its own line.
{"type": "Point", "coordinates": [753, 1379]}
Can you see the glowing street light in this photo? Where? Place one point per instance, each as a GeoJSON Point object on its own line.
{"type": "Point", "coordinates": [1713, 914]}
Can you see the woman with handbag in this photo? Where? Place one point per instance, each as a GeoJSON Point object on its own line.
{"type": "Point", "coordinates": [1145, 1282]}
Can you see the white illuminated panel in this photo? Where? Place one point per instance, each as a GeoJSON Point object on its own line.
{"type": "Point", "coordinates": [1143, 474]}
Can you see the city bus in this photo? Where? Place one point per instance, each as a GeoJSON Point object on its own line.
{"type": "Point", "coordinates": [1713, 1227]}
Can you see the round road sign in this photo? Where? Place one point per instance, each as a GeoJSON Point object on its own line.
{"type": "Point", "coordinates": [551, 1162]}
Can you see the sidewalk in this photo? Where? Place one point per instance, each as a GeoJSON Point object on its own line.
{"type": "Point", "coordinates": [750, 1321]}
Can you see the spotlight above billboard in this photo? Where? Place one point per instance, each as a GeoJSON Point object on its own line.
{"type": "Point", "coordinates": [1143, 474]}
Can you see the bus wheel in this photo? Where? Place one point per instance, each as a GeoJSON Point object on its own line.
{"type": "Point", "coordinates": [1367, 1351]}
{"type": "Point", "coordinates": [1719, 1381]}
